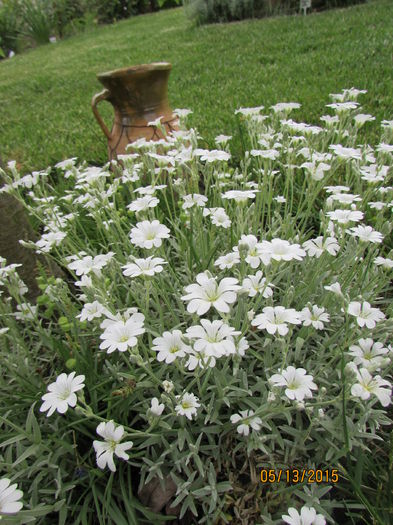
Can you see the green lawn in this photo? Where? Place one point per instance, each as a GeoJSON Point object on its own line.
{"type": "Point", "coordinates": [45, 94]}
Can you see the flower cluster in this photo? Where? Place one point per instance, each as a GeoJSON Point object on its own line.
{"type": "Point", "coordinates": [209, 305]}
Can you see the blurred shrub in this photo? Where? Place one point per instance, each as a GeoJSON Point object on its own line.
{"type": "Point", "coordinates": [213, 11]}
{"type": "Point", "coordinates": [37, 20]}
{"type": "Point", "coordinates": [110, 10]}
{"type": "Point", "coordinates": [64, 12]}
{"type": "Point", "coordinates": [33, 22]}
{"type": "Point", "coordinates": [10, 25]}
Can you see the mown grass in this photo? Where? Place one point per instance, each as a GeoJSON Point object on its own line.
{"type": "Point", "coordinates": [45, 94]}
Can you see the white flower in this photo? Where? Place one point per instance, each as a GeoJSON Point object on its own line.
{"type": "Point", "coordinates": [218, 217]}
{"type": "Point", "coordinates": [9, 496]}
{"type": "Point", "coordinates": [341, 107]}
{"type": "Point", "coordinates": [26, 311]}
{"type": "Point", "coordinates": [90, 264]}
{"type": "Point", "coordinates": [239, 195]}
{"type": "Point", "coordinates": [212, 156]}
{"type": "Point", "coordinates": [148, 234]}
{"type": "Point", "coordinates": [248, 420]}
{"type": "Point", "coordinates": [143, 203]}
{"type": "Point", "coordinates": [346, 153]}
{"type": "Point", "coordinates": [249, 244]}
{"type": "Point", "coordinates": [148, 190]}
{"type": "Point", "coordinates": [67, 164]}
{"type": "Point", "coordinates": [91, 311]}
{"type": "Point", "coordinates": [280, 250]}
{"type": "Point", "coordinates": [362, 118]}
{"type": "Point", "coordinates": [336, 189]}
{"type": "Point", "coordinates": [7, 270]}
{"type": "Point", "coordinates": [111, 318]}
{"type": "Point", "coordinates": [120, 335]}
{"type": "Point", "coordinates": [330, 121]}
{"type": "Point", "coordinates": [128, 157]}
{"type": "Point", "coordinates": [368, 385]}
{"type": "Point", "coordinates": [384, 262]}
{"type": "Point", "coordinates": [222, 176]}
{"type": "Point", "coordinates": [241, 346]}
{"type": "Point", "coordinates": [345, 216]}
{"type": "Point", "coordinates": [209, 293]}
{"type": "Point", "coordinates": [187, 406]}
{"type": "Point", "coordinates": [61, 393]}
{"type": "Point", "coordinates": [381, 189]}
{"type": "Point", "coordinates": [369, 354]}
{"type": "Point", "coordinates": [4, 330]}
{"type": "Point", "coordinates": [276, 319]}
{"type": "Point", "coordinates": [365, 314]}
{"type": "Point", "coordinates": [105, 449]}
{"type": "Point", "coordinates": [387, 124]}
{"type": "Point", "coordinates": [194, 199]}
{"type": "Point", "coordinates": [168, 386]}
{"type": "Point", "coordinates": [163, 161]}
{"type": "Point", "coordinates": [316, 170]}
{"type": "Point", "coordinates": [254, 284]}
{"type": "Point", "coordinates": [374, 173]}
{"type": "Point", "coordinates": [377, 205]}
{"type": "Point", "coordinates": [271, 154]}
{"type": "Point", "coordinates": [85, 282]}
{"type": "Point", "coordinates": [156, 408]}
{"type": "Point", "coordinates": [307, 516]}
{"type": "Point", "coordinates": [316, 247]}
{"type": "Point", "coordinates": [170, 346]}
{"type": "Point", "coordinates": [222, 139]}
{"type": "Point", "coordinates": [335, 288]}
{"type": "Point", "coordinates": [297, 384]}
{"type": "Point", "coordinates": [353, 93]}
{"type": "Point", "coordinates": [48, 240]}
{"type": "Point", "coordinates": [213, 338]}
{"type": "Point", "coordinates": [156, 122]}
{"type": "Point", "coordinates": [249, 111]}
{"type": "Point", "coordinates": [182, 113]}
{"type": "Point", "coordinates": [343, 198]}
{"type": "Point", "coordinates": [366, 234]}
{"type": "Point", "coordinates": [201, 358]}
{"type": "Point", "coordinates": [227, 261]}
{"type": "Point", "coordinates": [285, 107]}
{"type": "Point", "coordinates": [301, 127]}
{"type": "Point", "coordinates": [385, 148]}
{"type": "Point", "coordinates": [280, 199]}
{"type": "Point", "coordinates": [316, 317]}
{"type": "Point", "coordinates": [149, 267]}
{"type": "Point", "coordinates": [129, 175]}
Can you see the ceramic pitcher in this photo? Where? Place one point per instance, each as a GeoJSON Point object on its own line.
{"type": "Point", "coordinates": [139, 95]}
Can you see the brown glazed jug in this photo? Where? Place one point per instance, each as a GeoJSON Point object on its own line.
{"type": "Point", "coordinates": [138, 94]}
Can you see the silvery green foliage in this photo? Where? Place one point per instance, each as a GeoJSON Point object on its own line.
{"type": "Point", "coordinates": [239, 318]}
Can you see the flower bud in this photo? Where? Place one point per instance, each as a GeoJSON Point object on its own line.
{"type": "Point", "coordinates": [64, 324]}
{"type": "Point", "coordinates": [71, 363]}
{"type": "Point", "coordinates": [250, 315]}
{"type": "Point", "coordinates": [168, 386]}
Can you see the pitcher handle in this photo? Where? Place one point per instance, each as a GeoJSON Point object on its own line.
{"type": "Point", "coordinates": [99, 97]}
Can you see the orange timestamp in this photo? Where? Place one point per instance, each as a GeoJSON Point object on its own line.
{"type": "Point", "coordinates": [296, 475]}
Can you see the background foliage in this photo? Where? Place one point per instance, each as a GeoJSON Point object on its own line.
{"type": "Point", "coordinates": [46, 94]}
{"type": "Point", "coordinates": [213, 11]}
{"type": "Point", "coordinates": [25, 23]}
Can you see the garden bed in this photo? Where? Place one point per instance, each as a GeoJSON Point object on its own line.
{"type": "Point", "coordinates": [225, 328]}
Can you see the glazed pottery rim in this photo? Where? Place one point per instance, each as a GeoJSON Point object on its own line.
{"type": "Point", "coordinates": [141, 68]}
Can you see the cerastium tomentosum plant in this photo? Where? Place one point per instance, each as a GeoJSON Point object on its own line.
{"type": "Point", "coordinates": [216, 321]}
